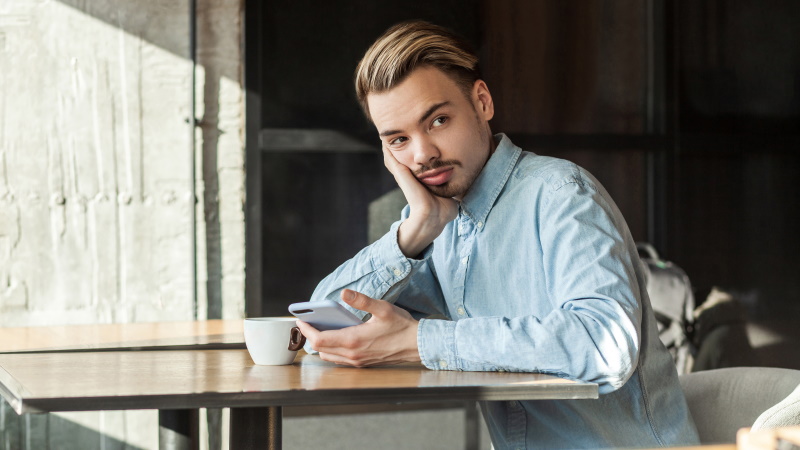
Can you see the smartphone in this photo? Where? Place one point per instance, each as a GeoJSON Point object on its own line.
{"type": "Point", "coordinates": [324, 315]}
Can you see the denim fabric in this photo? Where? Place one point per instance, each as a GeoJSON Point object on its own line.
{"type": "Point", "coordinates": [538, 273]}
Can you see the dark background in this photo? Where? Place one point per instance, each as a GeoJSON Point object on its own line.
{"type": "Point", "coordinates": [688, 112]}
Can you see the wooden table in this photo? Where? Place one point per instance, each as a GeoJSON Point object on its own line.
{"type": "Point", "coordinates": [178, 429]}
{"type": "Point", "coordinates": [188, 380]}
{"type": "Point", "coordinates": [705, 447]}
{"type": "Point", "coordinates": [124, 336]}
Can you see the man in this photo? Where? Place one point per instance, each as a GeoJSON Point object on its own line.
{"type": "Point", "coordinates": [527, 255]}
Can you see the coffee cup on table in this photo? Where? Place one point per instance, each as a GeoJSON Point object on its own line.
{"type": "Point", "coordinates": [272, 341]}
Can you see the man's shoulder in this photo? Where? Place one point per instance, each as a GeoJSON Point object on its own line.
{"type": "Point", "coordinates": [547, 171]}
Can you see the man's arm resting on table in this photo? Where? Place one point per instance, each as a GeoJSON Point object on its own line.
{"type": "Point", "coordinates": [389, 337]}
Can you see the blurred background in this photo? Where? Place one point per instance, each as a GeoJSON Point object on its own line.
{"type": "Point", "coordinates": [202, 159]}
{"type": "Point", "coordinates": [687, 112]}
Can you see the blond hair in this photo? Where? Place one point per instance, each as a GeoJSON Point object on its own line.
{"type": "Point", "coordinates": [406, 46]}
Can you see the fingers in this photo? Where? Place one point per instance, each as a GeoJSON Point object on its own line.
{"type": "Point", "coordinates": [363, 303]}
{"type": "Point", "coordinates": [311, 333]}
{"type": "Point", "coordinates": [390, 337]}
{"type": "Point", "coordinates": [406, 180]}
{"type": "Point", "coordinates": [319, 342]}
{"type": "Point", "coordinates": [390, 161]}
{"type": "Point", "coordinates": [331, 341]}
{"type": "Point", "coordinates": [343, 360]}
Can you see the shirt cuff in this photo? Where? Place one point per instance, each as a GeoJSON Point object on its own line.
{"type": "Point", "coordinates": [388, 260]}
{"type": "Point", "coordinates": [436, 342]}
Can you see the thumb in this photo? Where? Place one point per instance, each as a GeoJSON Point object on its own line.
{"type": "Point", "coordinates": [361, 302]}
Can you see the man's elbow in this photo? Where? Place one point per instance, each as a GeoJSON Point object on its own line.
{"type": "Point", "coordinates": [617, 369]}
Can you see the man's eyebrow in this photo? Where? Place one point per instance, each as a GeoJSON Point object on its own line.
{"type": "Point", "coordinates": [431, 110]}
{"type": "Point", "coordinates": [424, 117]}
{"type": "Point", "coordinates": [389, 133]}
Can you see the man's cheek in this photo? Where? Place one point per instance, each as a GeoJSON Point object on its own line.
{"type": "Point", "coordinates": [403, 158]}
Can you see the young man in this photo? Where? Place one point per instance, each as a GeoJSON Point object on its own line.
{"type": "Point", "coordinates": [526, 255]}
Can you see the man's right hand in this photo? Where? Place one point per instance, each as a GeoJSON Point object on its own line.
{"type": "Point", "coordinates": [429, 213]}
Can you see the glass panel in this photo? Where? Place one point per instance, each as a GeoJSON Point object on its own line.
{"type": "Point", "coordinates": [566, 67]}
{"type": "Point", "coordinates": [739, 67]}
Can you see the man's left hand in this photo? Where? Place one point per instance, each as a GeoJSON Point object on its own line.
{"type": "Point", "coordinates": [389, 337]}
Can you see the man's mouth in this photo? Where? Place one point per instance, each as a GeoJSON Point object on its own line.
{"type": "Point", "coordinates": [436, 177]}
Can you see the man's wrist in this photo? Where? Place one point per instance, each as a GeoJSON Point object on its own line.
{"type": "Point", "coordinates": [413, 238]}
{"type": "Point", "coordinates": [412, 353]}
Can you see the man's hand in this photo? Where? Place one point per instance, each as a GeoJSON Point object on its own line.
{"type": "Point", "coordinates": [389, 337]}
{"type": "Point", "coordinates": [429, 213]}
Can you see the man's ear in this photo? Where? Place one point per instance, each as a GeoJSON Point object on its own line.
{"type": "Point", "coordinates": [484, 104]}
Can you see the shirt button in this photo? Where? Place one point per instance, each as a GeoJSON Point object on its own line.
{"type": "Point", "coordinates": [480, 224]}
{"type": "Point", "coordinates": [461, 311]}
{"type": "Point", "coordinates": [464, 260]}
{"type": "Point", "coordinates": [461, 228]}
{"type": "Point", "coordinates": [397, 272]}
{"type": "Point", "coordinates": [443, 364]}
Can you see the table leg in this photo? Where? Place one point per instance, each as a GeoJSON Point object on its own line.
{"type": "Point", "coordinates": [472, 431]}
{"type": "Point", "coordinates": [178, 429]}
{"type": "Point", "coordinates": [256, 428]}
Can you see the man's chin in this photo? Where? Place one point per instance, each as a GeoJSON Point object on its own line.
{"type": "Point", "coordinates": [446, 190]}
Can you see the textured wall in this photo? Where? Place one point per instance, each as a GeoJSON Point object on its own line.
{"type": "Point", "coordinates": [95, 185]}
{"type": "Point", "coordinates": [95, 162]}
{"type": "Point", "coordinates": [96, 179]}
{"type": "Point", "coordinates": [220, 159]}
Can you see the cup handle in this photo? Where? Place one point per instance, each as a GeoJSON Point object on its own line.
{"type": "Point", "coordinates": [296, 339]}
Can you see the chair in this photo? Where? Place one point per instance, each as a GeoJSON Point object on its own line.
{"type": "Point", "coordinates": [383, 212]}
{"type": "Point", "coordinates": [724, 400]}
{"type": "Point", "coordinates": [784, 414]}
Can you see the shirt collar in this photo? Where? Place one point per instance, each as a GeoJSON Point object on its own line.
{"type": "Point", "coordinates": [484, 191]}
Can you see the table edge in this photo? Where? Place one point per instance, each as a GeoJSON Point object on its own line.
{"type": "Point", "coordinates": [307, 398]}
{"type": "Point", "coordinates": [140, 348]}
{"type": "Point", "coordinates": [12, 391]}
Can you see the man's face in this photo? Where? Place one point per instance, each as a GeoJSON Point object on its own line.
{"type": "Point", "coordinates": [435, 129]}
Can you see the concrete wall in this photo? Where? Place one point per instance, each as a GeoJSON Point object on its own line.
{"type": "Point", "coordinates": [96, 179]}
{"type": "Point", "coordinates": [96, 176]}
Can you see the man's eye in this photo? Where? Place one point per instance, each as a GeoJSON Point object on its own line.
{"type": "Point", "coordinates": [397, 141]}
{"type": "Point", "coordinates": [439, 121]}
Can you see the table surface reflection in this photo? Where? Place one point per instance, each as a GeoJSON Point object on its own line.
{"type": "Point", "coordinates": [123, 336]}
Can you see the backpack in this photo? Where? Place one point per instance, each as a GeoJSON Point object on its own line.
{"type": "Point", "coordinates": [673, 303]}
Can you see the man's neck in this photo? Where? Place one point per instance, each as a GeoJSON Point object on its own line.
{"type": "Point", "coordinates": [492, 147]}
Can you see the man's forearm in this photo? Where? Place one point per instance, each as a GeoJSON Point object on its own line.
{"type": "Point", "coordinates": [413, 238]}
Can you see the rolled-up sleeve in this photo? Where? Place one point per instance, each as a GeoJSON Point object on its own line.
{"type": "Point", "coordinates": [381, 271]}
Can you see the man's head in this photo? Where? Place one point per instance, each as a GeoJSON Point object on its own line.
{"type": "Point", "coordinates": [420, 86]}
{"type": "Point", "coordinates": [407, 46]}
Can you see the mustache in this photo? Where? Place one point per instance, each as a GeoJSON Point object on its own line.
{"type": "Point", "coordinates": [437, 164]}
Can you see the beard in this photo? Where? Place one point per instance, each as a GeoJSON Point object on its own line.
{"type": "Point", "coordinates": [447, 190]}
{"type": "Point", "coordinates": [460, 183]}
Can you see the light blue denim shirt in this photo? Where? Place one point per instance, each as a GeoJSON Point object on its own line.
{"type": "Point", "coordinates": [538, 273]}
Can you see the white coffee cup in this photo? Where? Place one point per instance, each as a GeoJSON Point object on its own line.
{"type": "Point", "coordinates": [267, 340]}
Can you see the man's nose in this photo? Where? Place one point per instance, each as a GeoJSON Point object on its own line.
{"type": "Point", "coordinates": [425, 152]}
